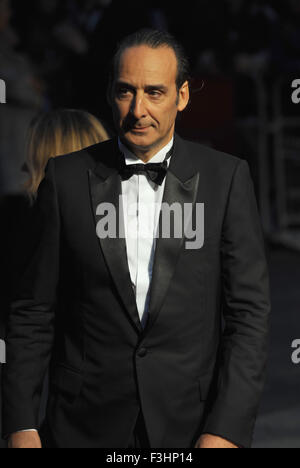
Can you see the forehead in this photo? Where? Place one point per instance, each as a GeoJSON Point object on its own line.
{"type": "Point", "coordinates": [142, 64]}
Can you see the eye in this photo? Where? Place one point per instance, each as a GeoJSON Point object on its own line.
{"type": "Point", "coordinates": [123, 93]}
{"type": "Point", "coordinates": [155, 93]}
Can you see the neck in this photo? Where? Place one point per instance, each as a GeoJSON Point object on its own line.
{"type": "Point", "coordinates": [146, 154]}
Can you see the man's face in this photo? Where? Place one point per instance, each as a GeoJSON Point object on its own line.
{"type": "Point", "coordinates": [145, 98]}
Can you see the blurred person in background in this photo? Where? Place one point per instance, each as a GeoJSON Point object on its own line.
{"type": "Point", "coordinates": [132, 327]}
{"type": "Point", "coordinates": [24, 98]}
{"type": "Point", "coordinates": [54, 41]}
{"type": "Point", "coordinates": [56, 133]}
{"type": "Point", "coordinates": [51, 134]}
{"type": "Point", "coordinates": [252, 51]}
{"type": "Point", "coordinates": [286, 43]}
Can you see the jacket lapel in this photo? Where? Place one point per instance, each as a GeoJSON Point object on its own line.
{"type": "Point", "coordinates": [182, 183]}
{"type": "Point", "coordinates": [105, 187]}
{"type": "Point", "coordinates": [181, 186]}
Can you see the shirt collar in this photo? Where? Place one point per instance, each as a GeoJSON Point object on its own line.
{"type": "Point", "coordinates": [131, 158]}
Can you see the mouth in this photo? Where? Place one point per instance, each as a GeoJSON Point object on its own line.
{"type": "Point", "coordinates": [140, 129]}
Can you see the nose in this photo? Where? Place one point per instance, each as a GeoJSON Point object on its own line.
{"type": "Point", "coordinates": [138, 109]}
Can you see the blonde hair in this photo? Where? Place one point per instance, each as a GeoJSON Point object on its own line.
{"type": "Point", "coordinates": [57, 133]}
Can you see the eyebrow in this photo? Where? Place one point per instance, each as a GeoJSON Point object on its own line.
{"type": "Point", "coordinates": [154, 87]}
{"type": "Point", "coordinates": [160, 87]}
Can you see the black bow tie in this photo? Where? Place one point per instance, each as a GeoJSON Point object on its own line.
{"type": "Point", "coordinates": [154, 171]}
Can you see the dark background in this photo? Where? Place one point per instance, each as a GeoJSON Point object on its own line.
{"type": "Point", "coordinates": [245, 54]}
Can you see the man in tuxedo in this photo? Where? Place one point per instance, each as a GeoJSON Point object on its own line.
{"type": "Point", "coordinates": [152, 341]}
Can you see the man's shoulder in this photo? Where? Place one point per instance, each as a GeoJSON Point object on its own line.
{"type": "Point", "coordinates": [86, 158]}
{"type": "Point", "coordinates": [208, 157]}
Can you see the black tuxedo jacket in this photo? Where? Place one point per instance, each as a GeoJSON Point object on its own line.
{"type": "Point", "coordinates": [189, 370]}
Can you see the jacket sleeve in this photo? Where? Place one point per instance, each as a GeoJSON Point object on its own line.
{"type": "Point", "coordinates": [246, 308]}
{"type": "Point", "coordinates": [30, 328]}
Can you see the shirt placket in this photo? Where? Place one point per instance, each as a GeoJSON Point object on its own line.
{"type": "Point", "coordinates": [144, 245]}
{"type": "Point", "coordinates": [132, 229]}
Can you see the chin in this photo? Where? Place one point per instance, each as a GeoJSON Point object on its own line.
{"type": "Point", "coordinates": [139, 142]}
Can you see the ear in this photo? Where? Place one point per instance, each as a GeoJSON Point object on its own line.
{"type": "Point", "coordinates": [184, 96]}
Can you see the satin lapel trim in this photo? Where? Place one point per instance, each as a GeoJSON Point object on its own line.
{"type": "Point", "coordinates": [168, 250]}
{"type": "Point", "coordinates": [114, 249]}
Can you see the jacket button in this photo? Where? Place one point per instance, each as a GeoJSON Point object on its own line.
{"type": "Point", "coordinates": [142, 352]}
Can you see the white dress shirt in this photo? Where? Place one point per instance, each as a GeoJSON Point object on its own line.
{"type": "Point", "coordinates": [142, 200]}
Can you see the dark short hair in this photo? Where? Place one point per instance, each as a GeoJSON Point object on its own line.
{"type": "Point", "coordinates": [154, 39]}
